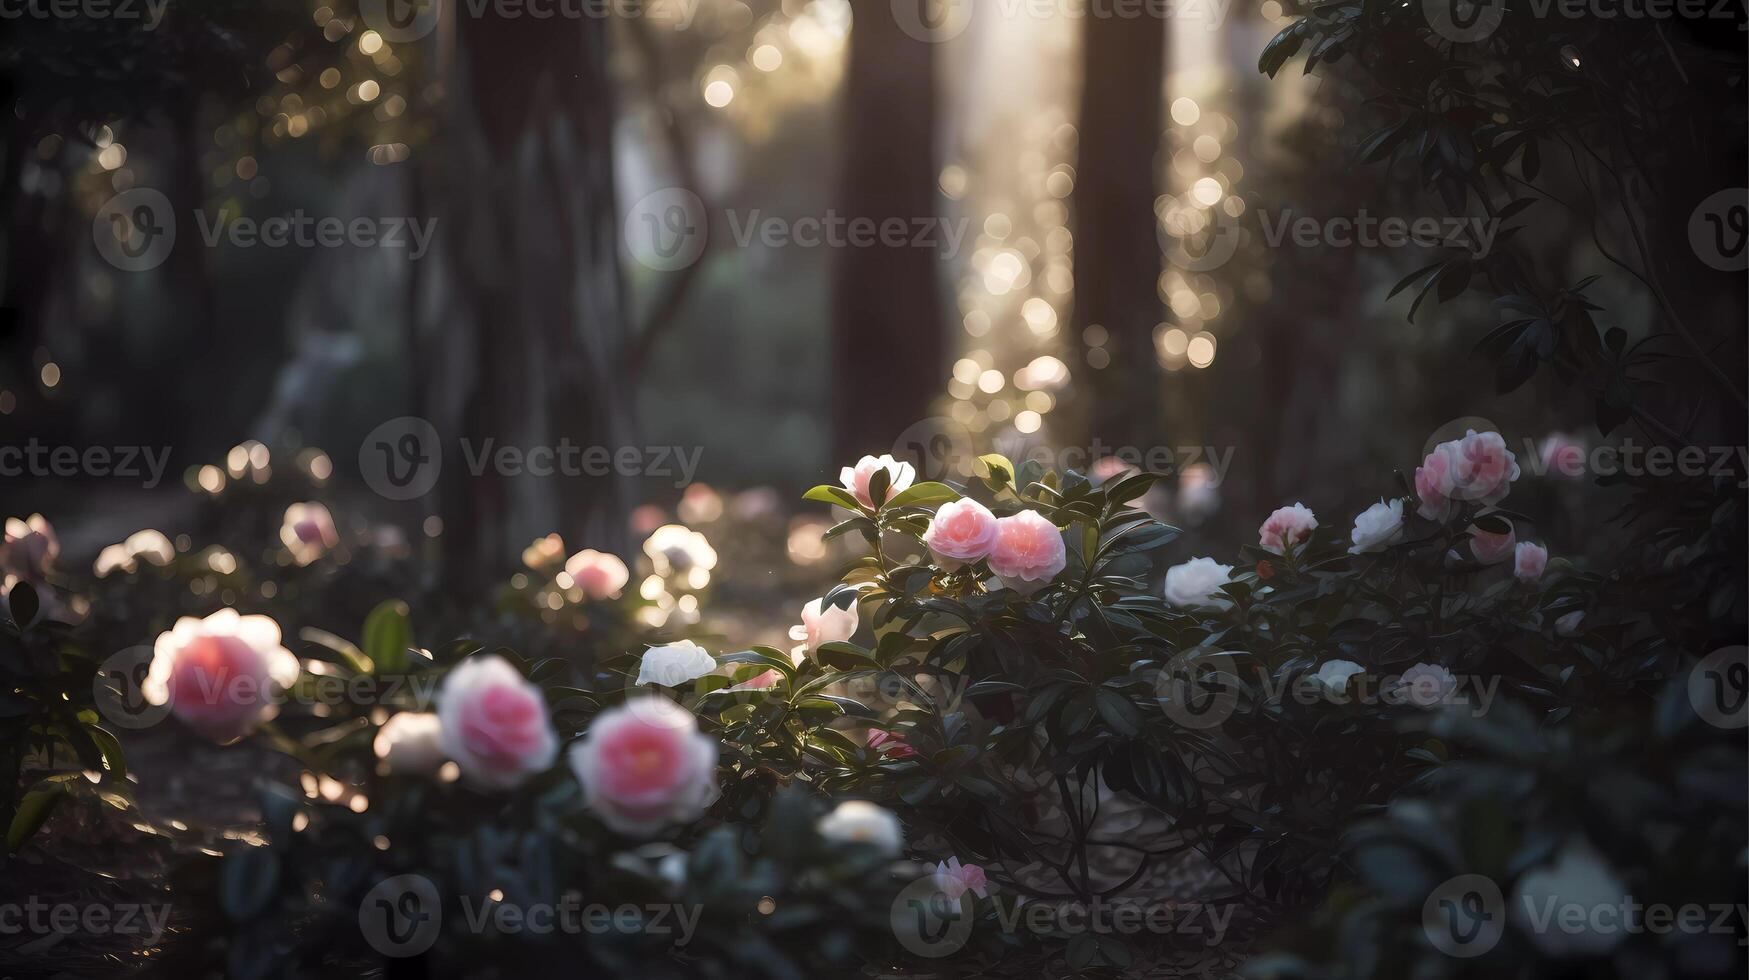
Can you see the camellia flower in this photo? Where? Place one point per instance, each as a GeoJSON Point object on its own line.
{"type": "Point", "coordinates": [823, 624]}
{"type": "Point", "coordinates": [1333, 675]}
{"type": "Point", "coordinates": [1581, 879]}
{"type": "Point", "coordinates": [308, 531]}
{"type": "Point", "coordinates": [961, 532]}
{"type": "Point", "coordinates": [675, 664]}
{"type": "Point", "coordinates": [1426, 685]}
{"type": "Point", "coordinates": [1490, 548]}
{"type": "Point", "coordinates": [1196, 584]}
{"type": "Point", "coordinates": [890, 744]}
{"type": "Point", "coordinates": [1377, 527]}
{"type": "Point", "coordinates": [598, 574]}
{"type": "Point", "coordinates": [411, 744]}
{"type": "Point", "coordinates": [150, 545]}
{"type": "Point", "coordinates": [955, 879]}
{"type": "Point", "coordinates": [549, 550]}
{"type": "Point", "coordinates": [1477, 467]}
{"type": "Point", "coordinates": [645, 766]}
{"type": "Point", "coordinates": [221, 675]}
{"type": "Point", "coordinates": [1286, 527]}
{"type": "Point", "coordinates": [1529, 561]}
{"type": "Point", "coordinates": [495, 723]}
{"type": "Point", "coordinates": [30, 548]}
{"type": "Point", "coordinates": [1029, 552]}
{"type": "Point", "coordinates": [677, 550]}
{"type": "Point", "coordinates": [862, 822]}
{"type": "Point", "coordinates": [1568, 625]}
{"type": "Point", "coordinates": [855, 478]}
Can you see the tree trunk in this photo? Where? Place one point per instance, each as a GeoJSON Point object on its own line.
{"type": "Point", "coordinates": [1117, 250]}
{"type": "Point", "coordinates": [888, 350]}
{"type": "Point", "coordinates": [529, 341]}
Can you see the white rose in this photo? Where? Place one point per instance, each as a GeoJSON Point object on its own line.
{"type": "Point", "coordinates": [1579, 878]}
{"type": "Point", "coordinates": [1193, 584]}
{"type": "Point", "coordinates": [411, 744]}
{"type": "Point", "coordinates": [862, 822]}
{"type": "Point", "coordinates": [1426, 685]}
{"type": "Point", "coordinates": [1334, 674]}
{"type": "Point", "coordinates": [1377, 527]}
{"type": "Point", "coordinates": [675, 664]}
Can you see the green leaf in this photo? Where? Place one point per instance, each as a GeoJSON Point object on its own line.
{"type": "Point", "coordinates": [33, 810]}
{"type": "Point", "coordinates": [388, 632]}
{"type": "Point", "coordinates": [825, 494]}
{"type": "Point", "coordinates": [924, 493]}
{"type": "Point", "coordinates": [846, 656]}
{"type": "Point", "coordinates": [996, 470]}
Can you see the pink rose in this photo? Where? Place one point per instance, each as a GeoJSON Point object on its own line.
{"type": "Point", "coordinates": [1433, 486]}
{"type": "Point", "coordinates": [890, 744]}
{"type": "Point", "coordinates": [308, 532]}
{"type": "Point", "coordinates": [855, 478]}
{"type": "Point", "coordinates": [955, 879]}
{"type": "Point", "coordinates": [961, 532]}
{"type": "Point", "coordinates": [30, 548]}
{"type": "Point", "coordinates": [823, 624]}
{"type": "Point", "coordinates": [645, 766]}
{"type": "Point", "coordinates": [495, 723]}
{"type": "Point", "coordinates": [1029, 552]}
{"type": "Point", "coordinates": [599, 575]}
{"type": "Point", "coordinates": [221, 675]}
{"type": "Point", "coordinates": [1490, 548]}
{"type": "Point", "coordinates": [1528, 562]}
{"type": "Point", "coordinates": [1286, 527]}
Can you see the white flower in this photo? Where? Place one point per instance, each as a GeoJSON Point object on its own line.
{"type": "Point", "coordinates": [677, 550]}
{"type": "Point", "coordinates": [823, 624]}
{"type": "Point", "coordinates": [1580, 879]}
{"type": "Point", "coordinates": [148, 544]}
{"type": "Point", "coordinates": [862, 822]}
{"type": "Point", "coordinates": [1194, 584]}
{"type": "Point", "coordinates": [1334, 674]}
{"type": "Point", "coordinates": [411, 744]}
{"type": "Point", "coordinates": [675, 664]}
{"type": "Point", "coordinates": [1377, 527]}
{"type": "Point", "coordinates": [599, 575]}
{"type": "Point", "coordinates": [1426, 685]}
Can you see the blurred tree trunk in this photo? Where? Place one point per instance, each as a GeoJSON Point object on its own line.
{"type": "Point", "coordinates": [1117, 250]}
{"type": "Point", "coordinates": [887, 350]}
{"type": "Point", "coordinates": [529, 335]}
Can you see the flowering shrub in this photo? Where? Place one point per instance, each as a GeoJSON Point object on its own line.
{"type": "Point", "coordinates": [1017, 697]}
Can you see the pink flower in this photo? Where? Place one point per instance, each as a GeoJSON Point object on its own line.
{"type": "Point", "coordinates": [599, 575]}
{"type": "Point", "coordinates": [1433, 486]}
{"type": "Point", "coordinates": [855, 478]}
{"type": "Point", "coordinates": [823, 624]}
{"type": "Point", "coordinates": [1029, 552]}
{"type": "Point", "coordinates": [30, 548]}
{"type": "Point", "coordinates": [759, 682]}
{"type": "Point", "coordinates": [1490, 548]}
{"type": "Point", "coordinates": [1286, 527]}
{"type": "Point", "coordinates": [221, 675]}
{"type": "Point", "coordinates": [955, 879]}
{"type": "Point", "coordinates": [890, 744]}
{"type": "Point", "coordinates": [1477, 467]}
{"type": "Point", "coordinates": [645, 766]}
{"type": "Point", "coordinates": [308, 532]}
{"type": "Point", "coordinates": [495, 723]}
{"type": "Point", "coordinates": [1528, 562]}
{"type": "Point", "coordinates": [962, 531]}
